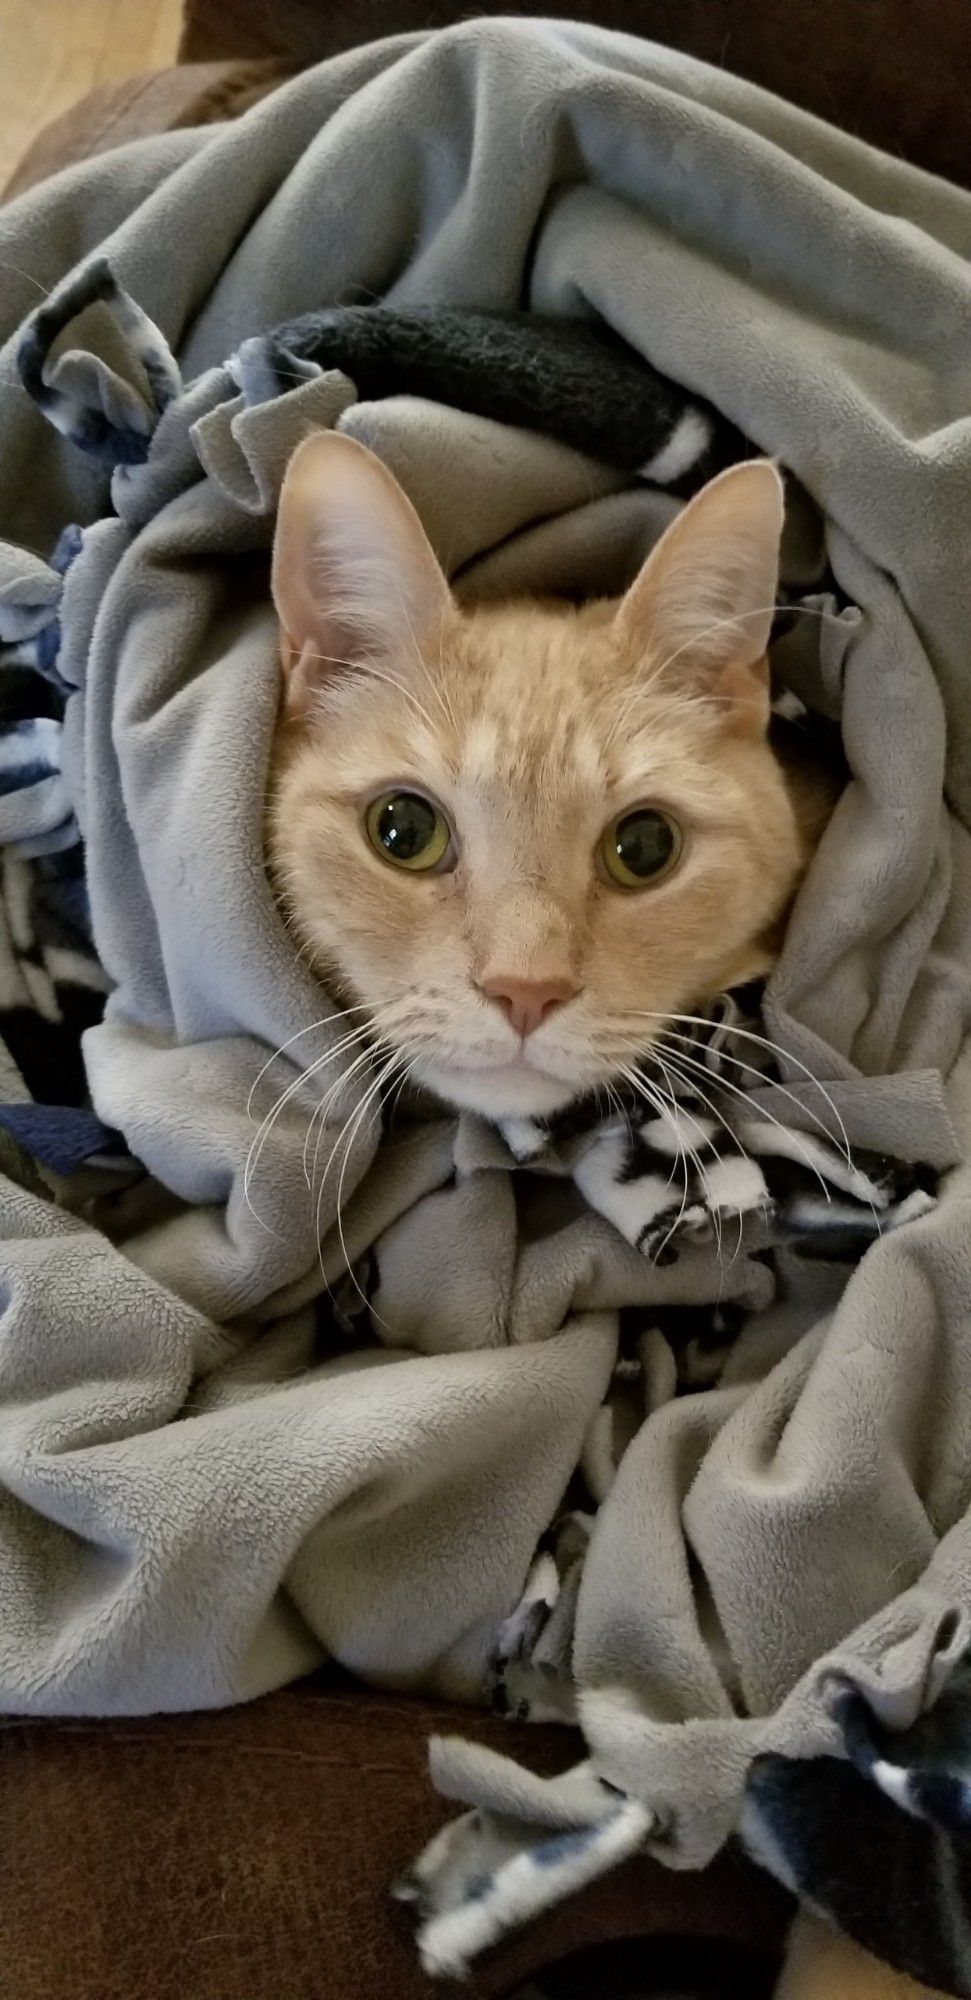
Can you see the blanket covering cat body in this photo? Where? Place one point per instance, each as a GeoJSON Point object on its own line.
{"type": "Point", "coordinates": [210, 1481]}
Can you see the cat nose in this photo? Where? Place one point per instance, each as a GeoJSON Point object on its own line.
{"type": "Point", "coordinates": [527, 1003]}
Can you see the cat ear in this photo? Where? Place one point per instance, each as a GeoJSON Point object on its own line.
{"type": "Point", "coordinates": [354, 576]}
{"type": "Point", "coordinates": [702, 606]}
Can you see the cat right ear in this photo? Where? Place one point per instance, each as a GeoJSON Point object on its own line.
{"type": "Point", "coordinates": [701, 609]}
{"type": "Point", "coordinates": [355, 580]}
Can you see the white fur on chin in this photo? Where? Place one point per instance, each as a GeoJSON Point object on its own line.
{"type": "Point", "coordinates": [507, 1090]}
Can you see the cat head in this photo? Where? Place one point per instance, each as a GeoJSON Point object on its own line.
{"type": "Point", "coordinates": [523, 836]}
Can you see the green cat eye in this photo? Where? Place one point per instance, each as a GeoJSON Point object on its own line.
{"type": "Point", "coordinates": [640, 847]}
{"type": "Point", "coordinates": [408, 830]}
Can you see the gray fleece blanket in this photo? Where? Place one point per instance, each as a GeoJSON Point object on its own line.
{"type": "Point", "coordinates": [210, 1479]}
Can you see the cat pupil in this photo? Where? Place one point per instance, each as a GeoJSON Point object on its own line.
{"type": "Point", "coordinates": [644, 842]}
{"type": "Point", "coordinates": [405, 826]}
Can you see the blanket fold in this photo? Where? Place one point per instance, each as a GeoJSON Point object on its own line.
{"type": "Point", "coordinates": [240, 1433]}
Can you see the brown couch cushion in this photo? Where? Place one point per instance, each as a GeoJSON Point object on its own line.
{"type": "Point", "coordinates": [246, 1855]}
{"type": "Point", "coordinates": [893, 71]}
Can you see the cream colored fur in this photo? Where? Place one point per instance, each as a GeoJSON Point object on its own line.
{"type": "Point", "coordinates": [532, 724]}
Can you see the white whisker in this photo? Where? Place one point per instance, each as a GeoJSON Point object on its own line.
{"type": "Point", "coordinates": [781, 1055]}
{"type": "Point", "coordinates": [681, 1153]}
{"type": "Point", "coordinates": [668, 1061]}
{"type": "Point", "coordinates": [324, 1022]}
{"type": "Point", "coordinates": [678, 1060]}
{"type": "Point", "coordinates": [773, 1083]}
{"type": "Point", "coordinates": [640, 1085]}
{"type": "Point", "coordinates": [646, 686]}
{"type": "Point", "coordinates": [362, 1031]}
{"type": "Point", "coordinates": [259, 1142]}
{"type": "Point", "coordinates": [355, 1123]}
{"type": "Point", "coordinates": [360, 1062]}
{"type": "Point", "coordinates": [366, 667]}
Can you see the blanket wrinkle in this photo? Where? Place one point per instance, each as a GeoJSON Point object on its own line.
{"type": "Point", "coordinates": [551, 1382]}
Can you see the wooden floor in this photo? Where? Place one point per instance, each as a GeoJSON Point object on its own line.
{"type": "Point", "coordinates": [54, 51]}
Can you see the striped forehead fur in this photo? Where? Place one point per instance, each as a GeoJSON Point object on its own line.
{"type": "Point", "coordinates": [530, 726]}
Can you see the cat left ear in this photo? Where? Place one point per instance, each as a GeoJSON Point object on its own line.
{"type": "Point", "coordinates": [701, 608]}
{"type": "Point", "coordinates": [355, 580]}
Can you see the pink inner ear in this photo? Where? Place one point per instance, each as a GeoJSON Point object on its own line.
{"type": "Point", "coordinates": [703, 602]}
{"type": "Point", "coordinates": [354, 576]}
{"type": "Point", "coordinates": [745, 690]}
{"type": "Point", "coordinates": [302, 679]}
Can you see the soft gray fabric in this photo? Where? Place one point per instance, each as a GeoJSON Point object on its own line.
{"type": "Point", "coordinates": [204, 1492]}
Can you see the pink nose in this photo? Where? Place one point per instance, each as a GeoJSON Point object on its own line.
{"type": "Point", "coordinates": [527, 1003]}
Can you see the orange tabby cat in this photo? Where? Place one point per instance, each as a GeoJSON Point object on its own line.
{"type": "Point", "coordinates": [522, 834]}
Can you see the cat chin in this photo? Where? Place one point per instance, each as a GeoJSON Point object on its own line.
{"type": "Point", "coordinates": [510, 1090]}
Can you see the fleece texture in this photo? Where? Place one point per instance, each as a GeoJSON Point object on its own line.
{"type": "Point", "coordinates": [211, 1478]}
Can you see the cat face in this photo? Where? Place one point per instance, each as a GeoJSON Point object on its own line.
{"type": "Point", "coordinates": [521, 837]}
